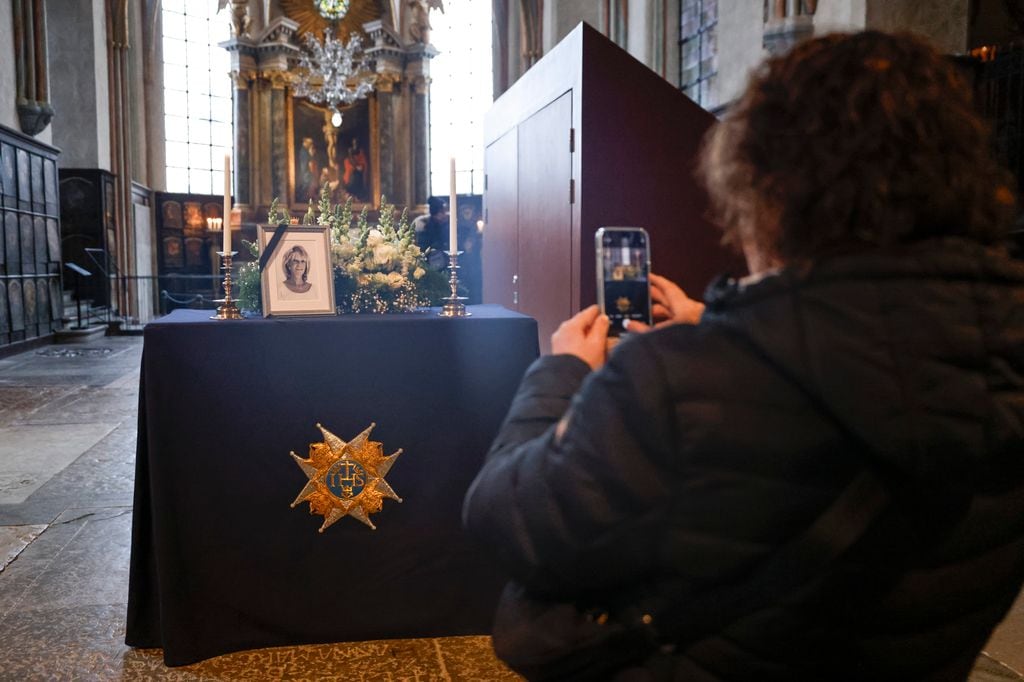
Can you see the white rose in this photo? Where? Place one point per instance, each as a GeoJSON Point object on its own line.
{"type": "Point", "coordinates": [383, 254]}
{"type": "Point", "coordinates": [395, 280]}
{"type": "Point", "coordinates": [374, 238]}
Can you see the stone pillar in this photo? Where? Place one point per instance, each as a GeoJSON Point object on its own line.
{"type": "Point", "coordinates": [242, 165]}
{"type": "Point", "coordinates": [420, 133]}
{"type": "Point", "coordinates": [120, 154]}
{"type": "Point", "coordinates": [532, 28]}
{"type": "Point", "coordinates": [278, 135]}
{"type": "Point", "coordinates": [390, 186]}
{"type": "Point", "coordinates": [500, 46]}
{"type": "Point", "coordinates": [244, 77]}
{"type": "Point", "coordinates": [31, 66]}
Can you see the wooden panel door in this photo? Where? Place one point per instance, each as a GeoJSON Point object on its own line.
{"type": "Point", "coordinates": [545, 217]}
{"type": "Point", "coordinates": [501, 231]}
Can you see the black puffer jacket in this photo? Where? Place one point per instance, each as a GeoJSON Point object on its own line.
{"type": "Point", "coordinates": [698, 451]}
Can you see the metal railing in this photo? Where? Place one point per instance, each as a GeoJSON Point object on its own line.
{"type": "Point", "coordinates": [134, 301]}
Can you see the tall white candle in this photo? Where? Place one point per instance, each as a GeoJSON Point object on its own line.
{"type": "Point", "coordinates": [227, 203]}
{"type": "Point", "coordinates": [453, 220]}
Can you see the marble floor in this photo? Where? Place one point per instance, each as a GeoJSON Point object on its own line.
{"type": "Point", "coordinates": [67, 445]}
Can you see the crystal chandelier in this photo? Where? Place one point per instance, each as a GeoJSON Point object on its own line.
{"type": "Point", "coordinates": [333, 72]}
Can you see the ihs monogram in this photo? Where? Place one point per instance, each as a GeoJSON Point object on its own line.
{"type": "Point", "coordinates": [346, 478]}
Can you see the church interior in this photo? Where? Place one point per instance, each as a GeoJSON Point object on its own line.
{"type": "Point", "coordinates": [154, 153]}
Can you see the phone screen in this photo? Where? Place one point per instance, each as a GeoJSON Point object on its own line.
{"type": "Point", "coordinates": [625, 256]}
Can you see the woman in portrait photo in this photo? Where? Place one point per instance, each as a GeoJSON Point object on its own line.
{"type": "Point", "coordinates": [295, 265]}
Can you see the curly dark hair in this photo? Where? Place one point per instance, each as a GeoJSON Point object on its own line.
{"type": "Point", "coordinates": [853, 141]}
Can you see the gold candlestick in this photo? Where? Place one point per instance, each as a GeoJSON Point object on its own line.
{"type": "Point", "coordinates": [454, 306]}
{"type": "Point", "coordinates": [227, 310]}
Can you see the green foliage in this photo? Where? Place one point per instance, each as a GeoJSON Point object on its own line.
{"type": "Point", "coordinates": [249, 292]}
{"type": "Point", "coordinates": [277, 215]}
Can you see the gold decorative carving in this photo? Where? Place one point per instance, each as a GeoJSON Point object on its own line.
{"type": "Point", "coordinates": [387, 81]}
{"type": "Point", "coordinates": [346, 479]}
{"type": "Point", "coordinates": [278, 79]}
{"type": "Point", "coordinates": [242, 79]}
{"type": "Point", "coordinates": [309, 20]}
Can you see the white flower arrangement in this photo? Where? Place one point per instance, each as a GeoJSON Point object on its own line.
{"type": "Point", "coordinates": [377, 268]}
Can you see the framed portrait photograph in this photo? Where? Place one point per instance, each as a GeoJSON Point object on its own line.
{"type": "Point", "coordinates": [343, 158]}
{"type": "Point", "coordinates": [297, 279]}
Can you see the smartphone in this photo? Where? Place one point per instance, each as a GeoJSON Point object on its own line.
{"type": "Point", "coordinates": [623, 264]}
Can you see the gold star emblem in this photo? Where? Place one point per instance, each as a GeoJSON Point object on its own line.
{"type": "Point", "coordinates": [346, 478]}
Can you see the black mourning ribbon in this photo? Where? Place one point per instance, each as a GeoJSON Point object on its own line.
{"type": "Point", "coordinates": [272, 244]}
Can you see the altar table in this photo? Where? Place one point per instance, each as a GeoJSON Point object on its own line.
{"type": "Point", "coordinates": [219, 560]}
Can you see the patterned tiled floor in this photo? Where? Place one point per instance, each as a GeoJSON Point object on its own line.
{"type": "Point", "coordinates": [64, 548]}
{"type": "Point", "coordinates": [67, 453]}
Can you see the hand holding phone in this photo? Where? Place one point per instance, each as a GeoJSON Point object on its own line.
{"type": "Point", "coordinates": [671, 304]}
{"type": "Point", "coordinates": [584, 335]}
{"type": "Point", "coordinates": [623, 268]}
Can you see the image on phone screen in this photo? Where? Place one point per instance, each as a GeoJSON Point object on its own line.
{"type": "Point", "coordinates": [626, 288]}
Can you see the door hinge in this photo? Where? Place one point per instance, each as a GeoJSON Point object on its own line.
{"type": "Point", "coordinates": [485, 182]}
{"type": "Point", "coordinates": [572, 190]}
{"type": "Point", "coordinates": [572, 140]}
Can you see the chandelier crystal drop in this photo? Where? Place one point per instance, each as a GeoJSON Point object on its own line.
{"type": "Point", "coordinates": [334, 73]}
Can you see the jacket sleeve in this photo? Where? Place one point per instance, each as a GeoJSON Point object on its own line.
{"type": "Point", "coordinates": [581, 511]}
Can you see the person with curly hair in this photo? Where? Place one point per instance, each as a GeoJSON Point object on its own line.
{"type": "Point", "coordinates": [817, 473]}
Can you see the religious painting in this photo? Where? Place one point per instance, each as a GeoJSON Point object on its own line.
{"type": "Point", "coordinates": [297, 278]}
{"type": "Point", "coordinates": [195, 258]}
{"type": "Point", "coordinates": [173, 255]}
{"type": "Point", "coordinates": [194, 215]}
{"type": "Point", "coordinates": [172, 215]}
{"type": "Point", "coordinates": [7, 185]}
{"type": "Point", "coordinates": [212, 209]}
{"type": "Point", "coordinates": [342, 158]}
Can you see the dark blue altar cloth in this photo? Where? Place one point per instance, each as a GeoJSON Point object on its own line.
{"type": "Point", "coordinates": [221, 563]}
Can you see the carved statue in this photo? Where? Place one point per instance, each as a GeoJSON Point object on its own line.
{"type": "Point", "coordinates": [240, 18]}
{"type": "Point", "coordinates": [419, 18]}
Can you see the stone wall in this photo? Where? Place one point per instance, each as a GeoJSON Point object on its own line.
{"type": "Point", "coordinates": [8, 114]}
{"type": "Point", "coordinates": [740, 49]}
{"type": "Point", "coordinates": [78, 83]}
{"type": "Point", "coordinates": [944, 22]}
{"type": "Point", "coordinates": [840, 15]}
